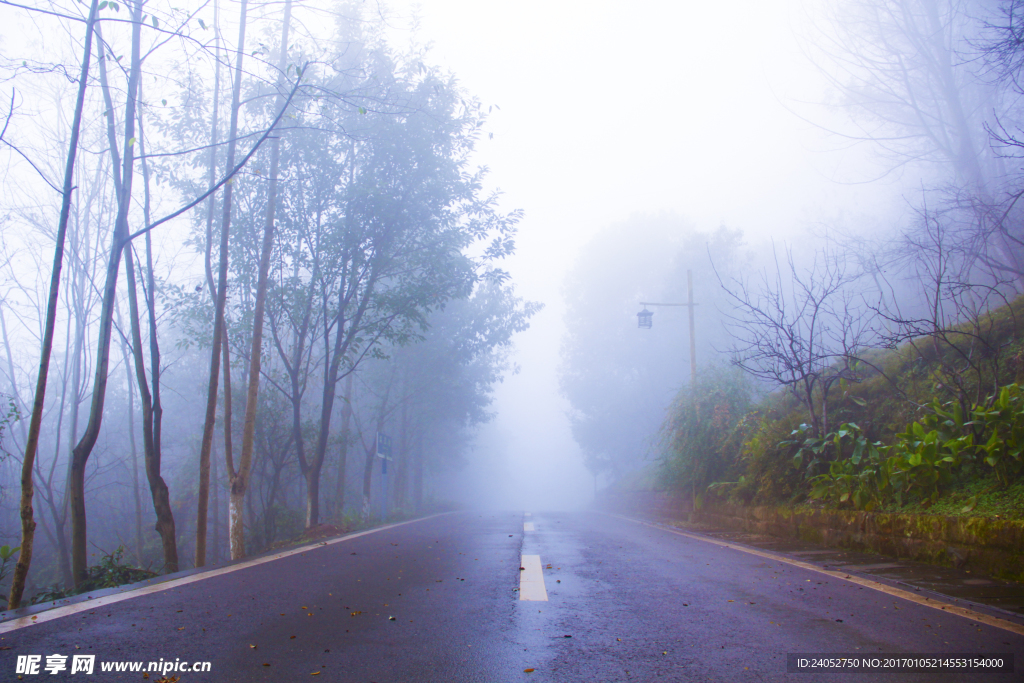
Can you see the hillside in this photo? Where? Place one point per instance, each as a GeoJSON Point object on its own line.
{"type": "Point", "coordinates": [936, 424]}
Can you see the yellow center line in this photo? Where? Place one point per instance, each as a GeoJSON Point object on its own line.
{"type": "Point", "coordinates": [979, 617]}
{"type": "Point", "coordinates": [531, 579]}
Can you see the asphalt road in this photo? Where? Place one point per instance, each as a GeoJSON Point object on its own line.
{"type": "Point", "coordinates": [439, 600]}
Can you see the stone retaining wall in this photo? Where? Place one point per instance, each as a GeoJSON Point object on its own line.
{"type": "Point", "coordinates": [993, 546]}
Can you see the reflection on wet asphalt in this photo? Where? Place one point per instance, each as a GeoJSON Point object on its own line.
{"type": "Point", "coordinates": [439, 600]}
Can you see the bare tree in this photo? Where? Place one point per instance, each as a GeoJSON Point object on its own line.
{"type": "Point", "coordinates": [952, 332]}
{"type": "Point", "coordinates": [800, 330]}
{"type": "Point", "coordinates": [909, 73]}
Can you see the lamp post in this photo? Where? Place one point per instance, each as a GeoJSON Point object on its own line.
{"type": "Point", "coordinates": [645, 320]}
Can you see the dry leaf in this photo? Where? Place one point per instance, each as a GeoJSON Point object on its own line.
{"type": "Point", "coordinates": [253, 646]}
{"type": "Point", "coordinates": [526, 671]}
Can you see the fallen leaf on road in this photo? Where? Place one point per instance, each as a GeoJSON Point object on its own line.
{"type": "Point", "coordinates": [391, 619]}
{"type": "Point", "coordinates": [315, 673]}
{"type": "Point", "coordinates": [730, 601]}
{"type": "Point", "coordinates": [360, 611]}
{"type": "Point", "coordinates": [527, 671]}
{"type": "Point", "coordinates": [266, 663]}
{"type": "Point", "coordinates": [291, 638]}
{"type": "Point", "coordinates": [182, 628]}
{"type": "Point", "coordinates": [619, 639]}
{"type": "Point", "coordinates": [522, 569]}
{"type": "Point", "coordinates": [253, 646]}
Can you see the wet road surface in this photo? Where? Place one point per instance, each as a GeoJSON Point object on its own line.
{"type": "Point", "coordinates": [439, 600]}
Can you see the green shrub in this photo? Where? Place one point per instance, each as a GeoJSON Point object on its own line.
{"type": "Point", "coordinates": [111, 572]}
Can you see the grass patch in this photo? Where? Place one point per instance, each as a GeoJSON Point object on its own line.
{"type": "Point", "coordinates": [988, 497]}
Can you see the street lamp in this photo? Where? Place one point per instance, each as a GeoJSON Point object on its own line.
{"type": "Point", "coordinates": [645, 320]}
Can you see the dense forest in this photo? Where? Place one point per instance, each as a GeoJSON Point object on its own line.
{"type": "Point", "coordinates": [251, 242]}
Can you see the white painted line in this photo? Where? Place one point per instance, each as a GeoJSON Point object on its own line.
{"type": "Point", "coordinates": [90, 605]}
{"type": "Point", "coordinates": [528, 526]}
{"type": "Point", "coordinates": [964, 612]}
{"type": "Point", "coordinates": [531, 579]}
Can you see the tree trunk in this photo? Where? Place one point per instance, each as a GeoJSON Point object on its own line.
{"type": "Point", "coordinates": [157, 485]}
{"type": "Point", "coordinates": [205, 451]}
{"type": "Point", "coordinates": [240, 480]}
{"type": "Point", "coordinates": [83, 450]}
{"type": "Point", "coordinates": [136, 496]}
{"type": "Point", "coordinates": [418, 474]}
{"type": "Point", "coordinates": [28, 524]}
{"type": "Point", "coordinates": [220, 332]}
{"type": "Point", "coordinates": [151, 409]}
{"type": "Point", "coordinates": [346, 420]}
{"type": "Point", "coordinates": [215, 550]}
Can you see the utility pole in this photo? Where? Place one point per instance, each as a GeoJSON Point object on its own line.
{"type": "Point", "coordinates": [645, 319]}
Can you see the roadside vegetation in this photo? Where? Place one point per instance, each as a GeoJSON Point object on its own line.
{"type": "Point", "coordinates": [909, 434]}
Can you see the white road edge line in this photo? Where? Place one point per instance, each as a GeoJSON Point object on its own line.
{"type": "Point", "coordinates": [531, 579]}
{"type": "Point", "coordinates": [964, 612]}
{"type": "Point", "coordinates": [89, 605]}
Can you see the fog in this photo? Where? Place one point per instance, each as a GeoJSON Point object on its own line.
{"type": "Point", "coordinates": [435, 223]}
{"type": "Point", "coordinates": [714, 113]}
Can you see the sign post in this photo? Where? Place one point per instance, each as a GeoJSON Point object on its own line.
{"type": "Point", "coordinates": [384, 453]}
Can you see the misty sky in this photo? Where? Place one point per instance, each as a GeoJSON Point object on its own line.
{"type": "Point", "coordinates": [608, 109]}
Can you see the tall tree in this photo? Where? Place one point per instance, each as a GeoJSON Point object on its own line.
{"type": "Point", "coordinates": [28, 524]}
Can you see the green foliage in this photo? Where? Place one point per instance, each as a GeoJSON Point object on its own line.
{"type": "Point", "coordinates": [703, 431]}
{"type": "Point", "coordinates": [111, 572]}
{"type": "Point", "coordinates": [767, 462]}
{"type": "Point", "coordinates": [931, 454]}
{"type": "Point", "coordinates": [6, 555]}
{"type": "Point", "coordinates": [6, 420]}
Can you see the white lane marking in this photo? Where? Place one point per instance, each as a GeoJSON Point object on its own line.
{"type": "Point", "coordinates": [528, 526]}
{"type": "Point", "coordinates": [531, 579]}
{"type": "Point", "coordinates": [90, 605]}
{"type": "Point", "coordinates": [979, 617]}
